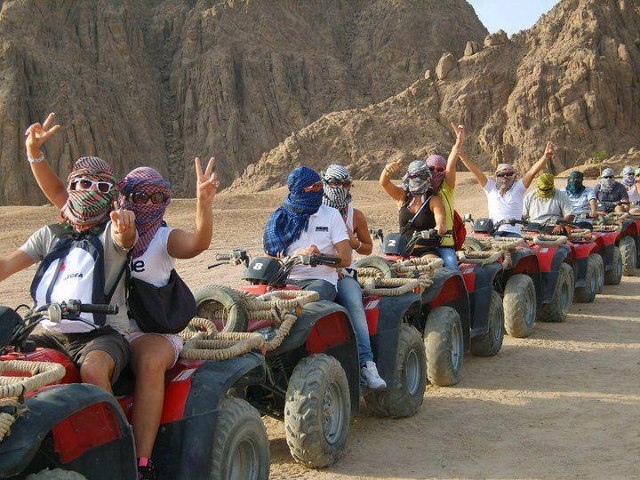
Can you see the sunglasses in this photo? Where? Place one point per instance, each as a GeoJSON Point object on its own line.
{"type": "Point", "coordinates": [144, 197]}
{"type": "Point", "coordinates": [316, 187]}
{"type": "Point", "coordinates": [637, 174]}
{"type": "Point", "coordinates": [339, 183]}
{"type": "Point", "coordinates": [437, 169]}
{"type": "Point", "coordinates": [501, 175]}
{"type": "Point", "coordinates": [86, 184]}
{"type": "Point", "coordinates": [608, 176]}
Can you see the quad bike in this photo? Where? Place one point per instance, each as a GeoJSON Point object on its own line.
{"type": "Point", "coordinates": [313, 375]}
{"type": "Point", "coordinates": [519, 281]}
{"type": "Point", "coordinates": [61, 424]}
{"type": "Point", "coordinates": [460, 310]}
{"type": "Point", "coordinates": [627, 229]}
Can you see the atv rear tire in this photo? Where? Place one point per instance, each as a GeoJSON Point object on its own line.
{"type": "Point", "coordinates": [519, 306]}
{"type": "Point", "coordinates": [409, 382]}
{"type": "Point", "coordinates": [489, 344]}
{"type": "Point", "coordinates": [472, 244]}
{"type": "Point", "coordinates": [317, 411]}
{"type": "Point", "coordinates": [599, 273]}
{"type": "Point", "coordinates": [627, 247]}
{"type": "Point", "coordinates": [224, 299]}
{"type": "Point", "coordinates": [379, 263]}
{"type": "Point", "coordinates": [614, 276]}
{"type": "Point", "coordinates": [444, 346]}
{"type": "Point", "coordinates": [558, 308]}
{"type": "Point", "coordinates": [240, 443]}
{"type": "Point", "coordinates": [587, 294]}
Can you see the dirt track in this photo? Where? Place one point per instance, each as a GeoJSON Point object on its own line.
{"type": "Point", "coordinates": [563, 403]}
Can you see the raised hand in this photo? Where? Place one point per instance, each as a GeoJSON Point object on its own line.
{"type": "Point", "coordinates": [124, 221]}
{"type": "Point", "coordinates": [459, 132]}
{"type": "Point", "coordinates": [548, 151]}
{"type": "Point", "coordinates": [38, 133]}
{"type": "Point", "coordinates": [394, 167]}
{"type": "Point", "coordinates": [207, 182]}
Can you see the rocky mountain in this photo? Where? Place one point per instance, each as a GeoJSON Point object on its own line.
{"type": "Point", "coordinates": [144, 82]}
{"type": "Point", "coordinates": [573, 79]}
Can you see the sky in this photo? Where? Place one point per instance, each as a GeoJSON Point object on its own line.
{"type": "Point", "coordinates": [510, 15]}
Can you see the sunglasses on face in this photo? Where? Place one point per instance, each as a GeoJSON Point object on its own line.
{"type": "Point", "coordinates": [436, 169]}
{"type": "Point", "coordinates": [85, 184]}
{"type": "Point", "coordinates": [143, 197]}
{"type": "Point", "coordinates": [608, 176]}
{"type": "Point", "coordinates": [339, 183]}
{"type": "Point", "coordinates": [502, 175]}
{"type": "Point", "coordinates": [637, 174]}
{"type": "Point", "coordinates": [316, 187]}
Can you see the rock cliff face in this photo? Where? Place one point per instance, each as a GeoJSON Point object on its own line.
{"type": "Point", "coordinates": [573, 79]}
{"type": "Point", "coordinates": [158, 83]}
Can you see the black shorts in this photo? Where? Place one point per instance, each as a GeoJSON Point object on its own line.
{"type": "Point", "coordinates": [78, 345]}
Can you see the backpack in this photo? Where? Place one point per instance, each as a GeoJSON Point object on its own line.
{"type": "Point", "coordinates": [459, 231]}
{"type": "Point", "coordinates": [73, 269]}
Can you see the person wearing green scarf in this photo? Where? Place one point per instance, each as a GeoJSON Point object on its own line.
{"type": "Point", "coordinates": [546, 204]}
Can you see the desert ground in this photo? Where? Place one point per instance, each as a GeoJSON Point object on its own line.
{"type": "Point", "coordinates": [563, 403]}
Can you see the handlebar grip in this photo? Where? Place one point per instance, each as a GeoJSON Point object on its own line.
{"type": "Point", "coordinates": [99, 308]}
{"type": "Point", "coordinates": [223, 256]}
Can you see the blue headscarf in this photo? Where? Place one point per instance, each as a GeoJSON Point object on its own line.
{"type": "Point", "coordinates": [288, 222]}
{"type": "Point", "coordinates": [574, 184]}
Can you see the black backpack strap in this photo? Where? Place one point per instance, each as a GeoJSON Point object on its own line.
{"type": "Point", "coordinates": [425, 203]}
{"type": "Point", "coordinates": [125, 268]}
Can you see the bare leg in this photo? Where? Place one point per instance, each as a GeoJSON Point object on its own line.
{"type": "Point", "coordinates": [151, 356]}
{"type": "Point", "coordinates": [97, 369]}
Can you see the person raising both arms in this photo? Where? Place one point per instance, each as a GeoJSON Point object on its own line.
{"type": "Point", "coordinates": [505, 192]}
{"type": "Point", "coordinates": [144, 192]}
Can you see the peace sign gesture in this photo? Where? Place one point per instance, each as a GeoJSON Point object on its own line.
{"type": "Point", "coordinates": [208, 182]}
{"type": "Point", "coordinates": [38, 133]}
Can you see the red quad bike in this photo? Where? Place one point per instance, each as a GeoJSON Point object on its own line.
{"type": "Point", "coordinates": [71, 426]}
{"type": "Point", "coordinates": [518, 282]}
{"type": "Point", "coordinates": [460, 311]}
{"type": "Point", "coordinates": [313, 376]}
{"type": "Point", "coordinates": [626, 239]}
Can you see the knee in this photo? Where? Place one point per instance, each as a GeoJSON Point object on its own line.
{"type": "Point", "coordinates": [97, 372]}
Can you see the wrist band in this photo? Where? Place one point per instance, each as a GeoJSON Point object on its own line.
{"type": "Point", "coordinates": [359, 245]}
{"type": "Point", "coordinates": [35, 160]}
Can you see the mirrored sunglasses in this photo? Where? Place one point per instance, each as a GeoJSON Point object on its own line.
{"type": "Point", "coordinates": [316, 187]}
{"type": "Point", "coordinates": [144, 197]}
{"type": "Point", "coordinates": [505, 174]}
{"type": "Point", "coordinates": [86, 184]}
{"type": "Point", "coordinates": [436, 169]}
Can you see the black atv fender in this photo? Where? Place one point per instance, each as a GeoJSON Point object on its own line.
{"type": "Point", "coordinates": [183, 447]}
{"type": "Point", "coordinates": [325, 327]}
{"type": "Point", "coordinates": [448, 289]}
{"type": "Point", "coordinates": [549, 279]}
{"type": "Point", "coordinates": [384, 343]}
{"type": "Point", "coordinates": [480, 298]}
{"type": "Point", "coordinates": [114, 458]}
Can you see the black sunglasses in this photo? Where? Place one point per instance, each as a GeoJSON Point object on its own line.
{"type": "Point", "coordinates": [608, 176]}
{"type": "Point", "coordinates": [501, 175]}
{"type": "Point", "coordinates": [143, 197]}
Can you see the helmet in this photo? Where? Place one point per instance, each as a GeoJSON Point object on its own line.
{"type": "Point", "coordinates": [263, 270]}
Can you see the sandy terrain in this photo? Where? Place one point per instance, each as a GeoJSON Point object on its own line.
{"type": "Point", "coordinates": [563, 403]}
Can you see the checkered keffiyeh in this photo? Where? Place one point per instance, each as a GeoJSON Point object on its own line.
{"type": "Point", "coordinates": [149, 216]}
{"type": "Point", "coordinates": [288, 222]}
{"type": "Point", "coordinates": [336, 197]}
{"type": "Point", "coordinates": [85, 209]}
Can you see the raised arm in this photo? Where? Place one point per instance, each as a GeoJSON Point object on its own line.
{"type": "Point", "coordinates": [48, 181]}
{"type": "Point", "coordinates": [473, 168]}
{"type": "Point", "coordinates": [538, 166]}
{"type": "Point", "coordinates": [395, 192]}
{"type": "Point", "coordinates": [187, 245]}
{"type": "Point", "coordinates": [450, 171]}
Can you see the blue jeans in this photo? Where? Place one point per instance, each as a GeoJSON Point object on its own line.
{"type": "Point", "coordinates": [350, 297]}
{"type": "Point", "coordinates": [449, 257]}
{"type": "Point", "coordinates": [325, 289]}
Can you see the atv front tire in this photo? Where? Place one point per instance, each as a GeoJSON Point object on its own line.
{"type": "Point", "coordinates": [558, 308]}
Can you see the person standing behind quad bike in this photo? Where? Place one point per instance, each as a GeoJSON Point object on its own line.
{"type": "Point", "coordinates": [419, 208]}
{"type": "Point", "coordinates": [583, 199]}
{"type": "Point", "coordinates": [611, 194]}
{"type": "Point", "coordinates": [337, 186]}
{"type": "Point", "coordinates": [547, 204]}
{"type": "Point", "coordinates": [144, 192]}
{"type": "Point", "coordinates": [100, 352]}
{"type": "Point", "coordinates": [505, 193]}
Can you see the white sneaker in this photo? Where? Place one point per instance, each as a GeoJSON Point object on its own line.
{"type": "Point", "coordinates": [372, 377]}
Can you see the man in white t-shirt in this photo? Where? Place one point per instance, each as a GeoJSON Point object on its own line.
{"type": "Point", "coordinates": [304, 226]}
{"type": "Point", "coordinates": [505, 192]}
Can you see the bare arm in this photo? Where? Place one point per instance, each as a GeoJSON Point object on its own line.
{"type": "Point", "coordinates": [437, 207]}
{"type": "Point", "coordinates": [538, 166]}
{"type": "Point", "coordinates": [450, 172]}
{"type": "Point", "coordinates": [344, 252]}
{"type": "Point", "coordinates": [363, 243]}
{"type": "Point", "coordinates": [124, 227]}
{"type": "Point", "coordinates": [14, 262]}
{"type": "Point", "coordinates": [594, 208]}
{"type": "Point", "coordinates": [183, 244]}
{"type": "Point", "coordinates": [395, 192]}
{"type": "Point", "coordinates": [473, 168]}
{"type": "Point", "coordinates": [48, 181]}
